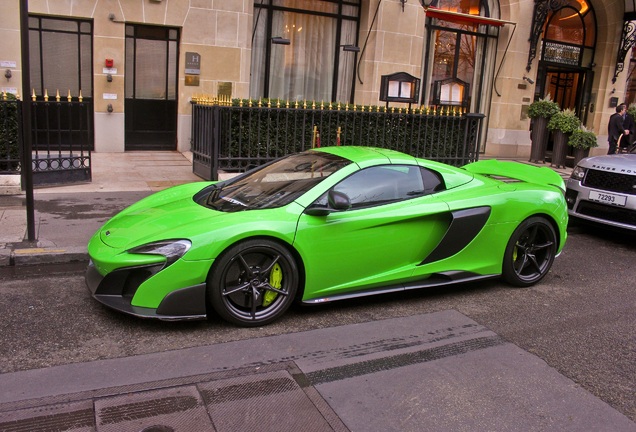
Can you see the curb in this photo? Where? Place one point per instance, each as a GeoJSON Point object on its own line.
{"type": "Point", "coordinates": [41, 256]}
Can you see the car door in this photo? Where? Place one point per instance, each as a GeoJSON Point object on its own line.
{"type": "Point", "coordinates": [394, 222]}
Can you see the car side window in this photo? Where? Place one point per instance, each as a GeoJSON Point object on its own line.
{"type": "Point", "coordinates": [387, 183]}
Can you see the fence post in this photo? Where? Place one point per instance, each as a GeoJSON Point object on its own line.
{"type": "Point", "coordinates": [472, 136]}
{"type": "Point", "coordinates": [27, 158]}
{"type": "Point", "coordinates": [216, 140]}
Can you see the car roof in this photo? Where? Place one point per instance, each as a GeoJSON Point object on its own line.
{"type": "Point", "coordinates": [363, 156]}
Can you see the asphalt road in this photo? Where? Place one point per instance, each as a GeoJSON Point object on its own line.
{"type": "Point", "coordinates": [580, 320]}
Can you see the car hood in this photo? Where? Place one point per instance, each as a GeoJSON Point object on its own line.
{"type": "Point", "coordinates": [156, 217]}
{"type": "Point", "coordinates": [619, 163]}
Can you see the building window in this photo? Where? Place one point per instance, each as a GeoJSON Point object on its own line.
{"type": "Point", "coordinates": [310, 63]}
{"type": "Point", "coordinates": [61, 55]}
{"type": "Point", "coordinates": [455, 57]}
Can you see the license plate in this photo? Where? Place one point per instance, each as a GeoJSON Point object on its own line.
{"type": "Point", "coordinates": [608, 198]}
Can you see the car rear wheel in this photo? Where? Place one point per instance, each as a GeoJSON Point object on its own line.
{"type": "Point", "coordinates": [253, 282]}
{"type": "Point", "coordinates": [530, 252]}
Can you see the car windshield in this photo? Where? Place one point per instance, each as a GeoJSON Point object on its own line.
{"type": "Point", "coordinates": [275, 184]}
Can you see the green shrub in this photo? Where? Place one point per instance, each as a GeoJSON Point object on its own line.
{"type": "Point", "coordinates": [583, 138]}
{"type": "Point", "coordinates": [280, 128]}
{"type": "Point", "coordinates": [9, 145]}
{"type": "Point", "coordinates": [545, 108]}
{"type": "Point", "coordinates": [565, 121]}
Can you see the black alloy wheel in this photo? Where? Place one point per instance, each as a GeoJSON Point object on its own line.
{"type": "Point", "coordinates": [530, 252]}
{"type": "Point", "coordinates": [253, 282]}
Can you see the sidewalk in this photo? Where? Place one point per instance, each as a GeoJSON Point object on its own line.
{"type": "Point", "coordinates": [433, 372]}
{"type": "Point", "coordinates": [437, 372]}
{"type": "Point", "coordinates": [64, 223]}
{"type": "Point", "coordinates": [67, 216]}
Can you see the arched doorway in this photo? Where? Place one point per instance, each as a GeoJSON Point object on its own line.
{"type": "Point", "coordinates": [567, 57]}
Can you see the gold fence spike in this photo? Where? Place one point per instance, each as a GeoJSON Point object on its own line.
{"type": "Point", "coordinates": [4, 95]}
{"type": "Point", "coordinates": [57, 95]}
{"type": "Point", "coordinates": [46, 95]}
{"type": "Point", "coordinates": [80, 97]}
{"type": "Point", "coordinates": [68, 97]}
{"type": "Point", "coordinates": [33, 96]}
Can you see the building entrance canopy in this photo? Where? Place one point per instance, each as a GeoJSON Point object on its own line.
{"type": "Point", "coordinates": [459, 17]}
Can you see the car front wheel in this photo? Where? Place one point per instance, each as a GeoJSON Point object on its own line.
{"type": "Point", "coordinates": [253, 282]}
{"type": "Point", "coordinates": [530, 252]}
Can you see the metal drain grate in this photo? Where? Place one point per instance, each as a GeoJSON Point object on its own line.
{"type": "Point", "coordinates": [263, 402]}
{"type": "Point", "coordinates": [71, 417]}
{"type": "Point", "coordinates": [150, 408]}
{"type": "Point", "coordinates": [237, 392]}
{"type": "Point", "coordinates": [176, 408]}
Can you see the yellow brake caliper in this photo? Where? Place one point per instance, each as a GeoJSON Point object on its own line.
{"type": "Point", "coordinates": [275, 279]}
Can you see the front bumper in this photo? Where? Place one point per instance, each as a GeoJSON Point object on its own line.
{"type": "Point", "coordinates": [580, 206]}
{"type": "Point", "coordinates": [116, 291]}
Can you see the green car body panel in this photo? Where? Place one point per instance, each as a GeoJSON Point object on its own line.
{"type": "Point", "coordinates": [458, 233]}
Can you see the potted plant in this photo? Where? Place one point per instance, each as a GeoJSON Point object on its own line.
{"type": "Point", "coordinates": [540, 111]}
{"type": "Point", "coordinates": [562, 125]}
{"type": "Point", "coordinates": [582, 140]}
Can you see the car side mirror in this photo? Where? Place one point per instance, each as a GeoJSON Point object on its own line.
{"type": "Point", "coordinates": [337, 201]}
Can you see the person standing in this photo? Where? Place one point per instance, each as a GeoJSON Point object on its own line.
{"type": "Point", "coordinates": [616, 128]}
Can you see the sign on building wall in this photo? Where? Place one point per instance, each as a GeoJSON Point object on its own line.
{"type": "Point", "coordinates": [560, 53]}
{"type": "Point", "coordinates": [192, 63]}
{"type": "Point", "coordinates": [192, 68]}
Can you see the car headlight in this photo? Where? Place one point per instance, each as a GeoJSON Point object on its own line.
{"type": "Point", "coordinates": [578, 173]}
{"type": "Point", "coordinates": [171, 249]}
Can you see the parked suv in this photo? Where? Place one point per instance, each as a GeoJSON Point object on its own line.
{"type": "Point", "coordinates": [603, 189]}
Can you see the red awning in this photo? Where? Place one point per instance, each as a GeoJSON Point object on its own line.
{"type": "Point", "coordinates": [462, 18]}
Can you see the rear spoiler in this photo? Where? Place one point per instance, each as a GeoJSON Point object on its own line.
{"type": "Point", "coordinates": [517, 171]}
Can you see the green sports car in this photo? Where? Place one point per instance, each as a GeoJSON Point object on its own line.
{"type": "Point", "coordinates": [323, 225]}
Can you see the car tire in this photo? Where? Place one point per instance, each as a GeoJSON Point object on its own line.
{"type": "Point", "coordinates": [253, 282]}
{"type": "Point", "coordinates": [530, 252]}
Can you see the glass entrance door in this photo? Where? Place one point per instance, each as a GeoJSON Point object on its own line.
{"type": "Point", "coordinates": [151, 87]}
{"type": "Point", "coordinates": [564, 86]}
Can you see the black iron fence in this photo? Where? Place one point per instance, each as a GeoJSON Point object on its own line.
{"type": "Point", "coordinates": [61, 136]}
{"type": "Point", "coordinates": [234, 136]}
{"type": "Point", "coordinates": [62, 139]}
